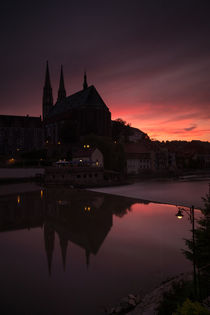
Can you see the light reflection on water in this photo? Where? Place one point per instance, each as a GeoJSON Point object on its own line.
{"type": "Point", "coordinates": [75, 252]}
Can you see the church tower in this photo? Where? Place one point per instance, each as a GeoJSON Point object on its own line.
{"type": "Point", "coordinates": [63, 245]}
{"type": "Point", "coordinates": [49, 239]}
{"type": "Point", "coordinates": [61, 90]}
{"type": "Point", "coordinates": [85, 85]}
{"type": "Point", "coordinates": [47, 100]}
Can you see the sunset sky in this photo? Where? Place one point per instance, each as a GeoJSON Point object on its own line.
{"type": "Point", "coordinates": [149, 59]}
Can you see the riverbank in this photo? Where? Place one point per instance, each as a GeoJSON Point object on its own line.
{"type": "Point", "coordinates": [182, 193]}
{"type": "Point", "coordinates": [137, 304]}
{"type": "Point", "coordinates": [19, 175]}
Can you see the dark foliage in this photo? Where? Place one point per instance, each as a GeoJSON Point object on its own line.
{"type": "Point", "coordinates": [199, 253]}
{"type": "Point", "coordinates": [202, 250]}
{"type": "Point", "coordinates": [114, 157]}
{"type": "Point", "coordinates": [121, 130]}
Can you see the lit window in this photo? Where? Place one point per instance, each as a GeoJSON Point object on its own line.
{"type": "Point", "coordinates": [88, 145]}
{"type": "Point", "coordinates": [11, 161]}
{"type": "Point", "coordinates": [18, 199]}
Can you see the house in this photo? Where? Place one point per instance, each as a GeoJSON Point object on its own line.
{"type": "Point", "coordinates": [137, 135]}
{"type": "Point", "coordinates": [20, 133]}
{"type": "Point", "coordinates": [139, 158]}
{"type": "Point", "coordinates": [88, 156]}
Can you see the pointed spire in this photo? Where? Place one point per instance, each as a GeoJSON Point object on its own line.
{"type": "Point", "coordinates": [47, 100]}
{"type": "Point", "coordinates": [49, 237]}
{"type": "Point", "coordinates": [61, 90]}
{"type": "Point", "coordinates": [64, 246]}
{"type": "Point", "coordinates": [47, 76]}
{"type": "Point", "coordinates": [85, 85]}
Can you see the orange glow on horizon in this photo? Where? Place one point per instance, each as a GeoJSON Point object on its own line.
{"type": "Point", "coordinates": [161, 124]}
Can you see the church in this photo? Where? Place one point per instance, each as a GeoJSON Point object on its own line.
{"type": "Point", "coordinates": [65, 121]}
{"type": "Point", "coordinates": [74, 116]}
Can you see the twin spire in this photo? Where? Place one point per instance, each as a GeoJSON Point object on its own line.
{"type": "Point", "coordinates": [47, 100]}
{"type": "Point", "coordinates": [61, 90]}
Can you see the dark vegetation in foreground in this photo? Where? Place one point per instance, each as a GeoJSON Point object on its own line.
{"type": "Point", "coordinates": [189, 298]}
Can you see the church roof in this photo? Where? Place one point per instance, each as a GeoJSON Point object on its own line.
{"type": "Point", "coordinates": [85, 98]}
{"type": "Point", "coordinates": [83, 153]}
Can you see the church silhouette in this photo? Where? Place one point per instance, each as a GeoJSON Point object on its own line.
{"type": "Point", "coordinates": [73, 116]}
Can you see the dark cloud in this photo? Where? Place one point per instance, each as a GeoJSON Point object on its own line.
{"type": "Point", "coordinates": [190, 128]}
{"type": "Point", "coordinates": [154, 52]}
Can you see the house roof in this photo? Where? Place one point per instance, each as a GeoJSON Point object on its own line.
{"type": "Point", "coordinates": [146, 155]}
{"type": "Point", "coordinates": [83, 153]}
{"type": "Point", "coordinates": [20, 121]}
{"type": "Point", "coordinates": [136, 148]}
{"type": "Point", "coordinates": [84, 98]}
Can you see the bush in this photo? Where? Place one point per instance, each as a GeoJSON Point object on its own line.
{"type": "Point", "coordinates": [191, 308]}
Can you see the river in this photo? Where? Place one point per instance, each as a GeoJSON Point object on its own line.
{"type": "Point", "coordinates": [186, 193]}
{"type": "Point", "coordinates": [68, 251]}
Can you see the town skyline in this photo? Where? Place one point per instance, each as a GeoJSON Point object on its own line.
{"type": "Point", "coordinates": [149, 61]}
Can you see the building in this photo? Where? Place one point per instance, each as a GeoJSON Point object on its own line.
{"type": "Point", "coordinates": [74, 116]}
{"type": "Point", "coordinates": [137, 135]}
{"type": "Point", "coordinates": [139, 158]}
{"type": "Point", "coordinates": [88, 156]}
{"type": "Point", "coordinates": [66, 121]}
{"type": "Point", "coordinates": [20, 133]}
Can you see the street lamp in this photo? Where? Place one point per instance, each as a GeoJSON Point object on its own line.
{"type": "Point", "coordinates": [179, 214]}
{"type": "Point", "coordinates": [189, 212]}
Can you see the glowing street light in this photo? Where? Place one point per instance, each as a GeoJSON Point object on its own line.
{"type": "Point", "coordinates": [179, 214]}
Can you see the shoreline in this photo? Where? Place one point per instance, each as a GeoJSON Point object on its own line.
{"type": "Point", "coordinates": [167, 191]}
{"type": "Point", "coordinates": [148, 302]}
{"type": "Point", "coordinates": [178, 193]}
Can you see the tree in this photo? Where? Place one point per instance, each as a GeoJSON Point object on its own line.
{"type": "Point", "coordinates": [114, 156]}
{"type": "Point", "coordinates": [200, 250]}
{"type": "Point", "coordinates": [121, 130]}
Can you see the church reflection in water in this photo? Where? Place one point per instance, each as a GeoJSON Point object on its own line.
{"type": "Point", "coordinates": [81, 217]}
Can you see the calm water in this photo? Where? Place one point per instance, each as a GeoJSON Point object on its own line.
{"type": "Point", "coordinates": [75, 252]}
{"type": "Point", "coordinates": [172, 192]}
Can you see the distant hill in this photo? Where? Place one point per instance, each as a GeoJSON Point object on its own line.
{"type": "Point", "coordinates": [123, 132]}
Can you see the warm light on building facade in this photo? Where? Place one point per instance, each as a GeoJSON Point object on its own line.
{"type": "Point", "coordinates": [18, 199]}
{"type": "Point", "coordinates": [11, 161]}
